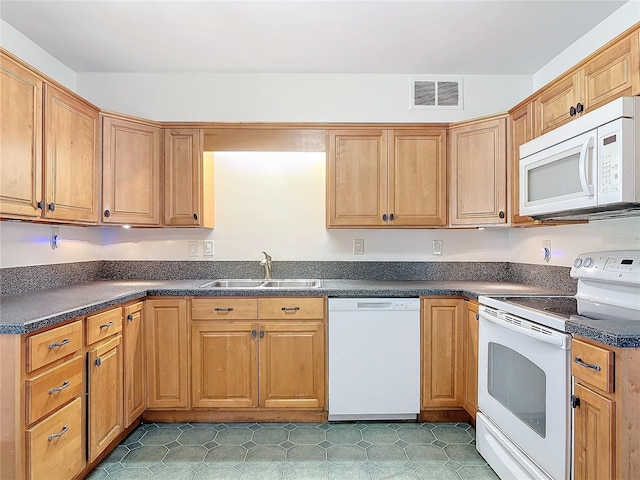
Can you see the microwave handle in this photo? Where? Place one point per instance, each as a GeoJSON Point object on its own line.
{"type": "Point", "coordinates": [582, 167]}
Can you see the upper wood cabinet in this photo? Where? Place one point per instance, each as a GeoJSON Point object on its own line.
{"type": "Point", "coordinates": [605, 76]}
{"type": "Point", "coordinates": [131, 168]}
{"type": "Point", "coordinates": [521, 123]}
{"type": "Point", "coordinates": [49, 150]}
{"type": "Point", "coordinates": [478, 165]}
{"type": "Point", "coordinates": [188, 179]}
{"type": "Point", "coordinates": [380, 178]}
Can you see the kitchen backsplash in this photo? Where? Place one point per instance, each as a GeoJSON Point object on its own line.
{"type": "Point", "coordinates": [17, 280]}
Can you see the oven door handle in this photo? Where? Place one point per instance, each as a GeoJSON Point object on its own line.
{"type": "Point", "coordinates": [556, 340]}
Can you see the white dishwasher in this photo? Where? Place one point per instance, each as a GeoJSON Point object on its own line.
{"type": "Point", "coordinates": [374, 358]}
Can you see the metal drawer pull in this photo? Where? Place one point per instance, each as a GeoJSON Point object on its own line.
{"type": "Point", "coordinates": [64, 430]}
{"type": "Point", "coordinates": [229, 309]}
{"type": "Point", "coordinates": [60, 388]}
{"type": "Point", "coordinates": [579, 361]}
{"type": "Point", "coordinates": [107, 325]}
{"type": "Point", "coordinates": [61, 344]}
{"type": "Point", "coordinates": [290, 309]}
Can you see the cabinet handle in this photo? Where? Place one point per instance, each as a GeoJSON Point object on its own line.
{"type": "Point", "coordinates": [290, 309]}
{"type": "Point", "coordinates": [579, 108]}
{"type": "Point", "coordinates": [261, 333]}
{"type": "Point", "coordinates": [593, 366]}
{"type": "Point", "coordinates": [195, 216]}
{"type": "Point", "coordinates": [98, 362]}
{"type": "Point", "coordinates": [391, 217]}
{"type": "Point", "coordinates": [501, 214]}
{"type": "Point", "coordinates": [384, 217]}
{"type": "Point", "coordinates": [130, 317]}
{"type": "Point", "coordinates": [60, 388]}
{"type": "Point", "coordinates": [64, 430]}
{"type": "Point", "coordinates": [107, 325]}
{"type": "Point", "coordinates": [572, 111]}
{"type": "Point", "coordinates": [107, 213]}
{"type": "Point", "coordinates": [253, 334]}
{"type": "Point", "coordinates": [52, 207]}
{"type": "Point", "coordinates": [228, 309]}
{"type": "Point", "coordinates": [61, 344]}
{"type": "Point", "coordinates": [575, 401]}
{"type": "Point", "coordinates": [41, 205]}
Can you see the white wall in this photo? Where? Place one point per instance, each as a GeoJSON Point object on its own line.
{"type": "Point", "coordinates": [612, 26]}
{"type": "Point", "coordinates": [15, 42]}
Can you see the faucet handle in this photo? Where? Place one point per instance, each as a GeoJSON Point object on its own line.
{"type": "Point", "coordinates": [267, 257]}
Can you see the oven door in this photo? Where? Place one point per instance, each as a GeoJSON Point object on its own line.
{"type": "Point", "coordinates": [560, 178]}
{"type": "Point", "coordinates": [524, 389]}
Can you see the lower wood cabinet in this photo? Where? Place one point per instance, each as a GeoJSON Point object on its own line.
{"type": "Point", "coordinates": [135, 375]}
{"type": "Point", "coordinates": [470, 357]}
{"type": "Point", "coordinates": [167, 345]}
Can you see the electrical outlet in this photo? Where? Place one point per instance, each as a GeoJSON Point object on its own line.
{"type": "Point", "coordinates": [207, 248]}
{"type": "Point", "coordinates": [546, 250]}
{"type": "Point", "coordinates": [358, 246]}
{"type": "Point", "coordinates": [54, 238]}
{"type": "Point", "coordinates": [193, 248]}
{"type": "Point", "coordinates": [437, 247]}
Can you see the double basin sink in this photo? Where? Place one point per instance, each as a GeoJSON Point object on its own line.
{"type": "Point", "coordinates": [271, 283]}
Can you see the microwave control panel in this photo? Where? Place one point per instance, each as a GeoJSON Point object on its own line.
{"type": "Point", "coordinates": [610, 174]}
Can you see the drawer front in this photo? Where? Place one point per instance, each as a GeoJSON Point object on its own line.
{"type": "Point", "coordinates": [103, 325]}
{"type": "Point", "coordinates": [55, 444]}
{"type": "Point", "coordinates": [55, 387]}
{"type": "Point", "coordinates": [290, 307]}
{"type": "Point", "coordinates": [52, 345]}
{"type": "Point", "coordinates": [224, 309]}
{"type": "Point", "coordinates": [593, 364]}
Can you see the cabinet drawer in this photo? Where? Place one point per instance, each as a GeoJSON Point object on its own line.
{"type": "Point", "coordinates": [223, 308]}
{"type": "Point", "coordinates": [55, 444]}
{"type": "Point", "coordinates": [290, 307]}
{"type": "Point", "coordinates": [55, 387]}
{"type": "Point", "coordinates": [593, 364]}
{"type": "Point", "coordinates": [52, 345]}
{"type": "Point", "coordinates": [103, 325]}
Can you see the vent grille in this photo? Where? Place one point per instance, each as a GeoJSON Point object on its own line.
{"type": "Point", "coordinates": [436, 94]}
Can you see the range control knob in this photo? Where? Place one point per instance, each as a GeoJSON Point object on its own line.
{"type": "Point", "coordinates": [587, 261]}
{"type": "Point", "coordinates": [577, 262]}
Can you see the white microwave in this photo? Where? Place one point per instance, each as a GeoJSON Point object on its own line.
{"type": "Point", "coordinates": [586, 169]}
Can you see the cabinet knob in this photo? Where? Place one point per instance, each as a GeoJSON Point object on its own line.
{"type": "Point", "coordinates": [195, 216]}
{"type": "Point", "coordinates": [572, 111]}
{"type": "Point", "coordinates": [477, 316]}
{"type": "Point", "coordinates": [261, 333]}
{"type": "Point", "coordinates": [391, 217]}
{"type": "Point", "coordinates": [384, 217]}
{"type": "Point", "coordinates": [41, 205]}
{"type": "Point", "coordinates": [52, 207]}
{"type": "Point", "coordinates": [130, 317]}
{"type": "Point", "coordinates": [501, 214]}
{"type": "Point", "coordinates": [575, 401]}
{"type": "Point", "coordinates": [98, 362]}
{"type": "Point", "coordinates": [579, 108]}
{"type": "Point", "coordinates": [253, 334]}
{"type": "Point", "coordinates": [107, 213]}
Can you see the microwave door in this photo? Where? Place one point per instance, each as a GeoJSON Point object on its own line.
{"type": "Point", "coordinates": [560, 178]}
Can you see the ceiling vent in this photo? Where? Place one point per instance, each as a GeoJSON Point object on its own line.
{"type": "Point", "coordinates": [429, 93]}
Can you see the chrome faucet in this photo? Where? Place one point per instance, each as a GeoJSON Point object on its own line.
{"type": "Point", "coordinates": [266, 263]}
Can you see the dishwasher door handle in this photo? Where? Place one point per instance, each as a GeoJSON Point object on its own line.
{"type": "Point", "coordinates": [375, 305]}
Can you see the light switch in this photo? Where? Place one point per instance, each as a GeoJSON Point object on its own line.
{"type": "Point", "coordinates": [193, 248]}
{"type": "Point", "coordinates": [208, 248]}
{"type": "Point", "coordinates": [358, 246]}
{"type": "Point", "coordinates": [437, 247]}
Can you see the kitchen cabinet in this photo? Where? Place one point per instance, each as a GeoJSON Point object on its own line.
{"type": "Point", "coordinates": [131, 169]}
{"type": "Point", "coordinates": [442, 354]}
{"type": "Point", "coordinates": [49, 150]}
{"type": "Point", "coordinates": [605, 409]}
{"type": "Point", "coordinates": [167, 353]}
{"type": "Point", "coordinates": [612, 72]}
{"type": "Point", "coordinates": [470, 357]}
{"type": "Point", "coordinates": [135, 378]}
{"type": "Point", "coordinates": [386, 178]}
{"type": "Point", "coordinates": [521, 122]}
{"type": "Point", "coordinates": [105, 397]}
{"type": "Point", "coordinates": [478, 179]}
{"type": "Point", "coordinates": [188, 179]}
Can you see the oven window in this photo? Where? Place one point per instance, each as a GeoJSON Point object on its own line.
{"type": "Point", "coordinates": [519, 385]}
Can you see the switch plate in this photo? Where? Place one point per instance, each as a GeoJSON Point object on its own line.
{"type": "Point", "coordinates": [437, 247]}
{"type": "Point", "coordinates": [207, 249]}
{"type": "Point", "coordinates": [358, 246]}
{"type": "Point", "coordinates": [193, 248]}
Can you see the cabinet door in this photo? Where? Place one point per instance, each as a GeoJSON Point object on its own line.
{"type": "Point", "coordinates": [470, 357]}
{"type": "Point", "coordinates": [183, 177]}
{"type": "Point", "coordinates": [594, 436]}
{"type": "Point", "coordinates": [554, 104]}
{"type": "Point", "coordinates": [292, 365]}
{"type": "Point", "coordinates": [611, 74]}
{"type": "Point", "coordinates": [357, 178]}
{"type": "Point", "coordinates": [70, 158]}
{"type": "Point", "coordinates": [441, 353]}
{"type": "Point", "coordinates": [479, 173]}
{"type": "Point", "coordinates": [105, 395]}
{"type": "Point", "coordinates": [167, 334]}
{"type": "Point", "coordinates": [417, 178]}
{"type": "Point", "coordinates": [20, 140]}
{"type": "Point", "coordinates": [522, 122]}
{"type": "Point", "coordinates": [224, 364]}
{"type": "Point", "coordinates": [135, 375]}
{"type": "Point", "coordinates": [130, 172]}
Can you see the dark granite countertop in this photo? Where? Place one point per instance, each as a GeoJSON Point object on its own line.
{"type": "Point", "coordinates": [33, 311]}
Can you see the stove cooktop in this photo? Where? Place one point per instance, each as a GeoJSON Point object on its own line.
{"type": "Point", "coordinates": [563, 307]}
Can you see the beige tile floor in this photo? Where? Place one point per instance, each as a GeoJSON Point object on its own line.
{"type": "Point", "coordinates": [302, 451]}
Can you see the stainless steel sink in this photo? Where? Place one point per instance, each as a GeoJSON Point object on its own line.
{"type": "Point", "coordinates": [251, 283]}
